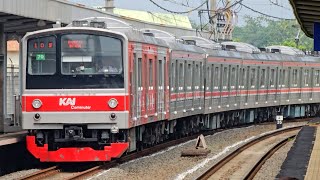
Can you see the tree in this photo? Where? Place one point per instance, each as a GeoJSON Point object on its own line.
{"type": "Point", "coordinates": [263, 32]}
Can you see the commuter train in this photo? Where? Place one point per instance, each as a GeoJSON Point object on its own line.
{"type": "Point", "coordinates": [98, 88]}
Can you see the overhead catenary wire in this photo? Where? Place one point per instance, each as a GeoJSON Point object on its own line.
{"type": "Point", "coordinates": [264, 14]}
{"type": "Point", "coordinates": [279, 5]}
{"type": "Point", "coordinates": [178, 12]}
{"type": "Point", "coordinates": [178, 3]}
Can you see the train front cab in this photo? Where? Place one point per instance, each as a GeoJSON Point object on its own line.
{"type": "Point", "coordinates": [75, 102]}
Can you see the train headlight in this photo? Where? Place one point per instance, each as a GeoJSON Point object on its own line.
{"type": "Point", "coordinates": [113, 103]}
{"type": "Point", "coordinates": [36, 103]}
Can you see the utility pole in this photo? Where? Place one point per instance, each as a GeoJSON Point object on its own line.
{"type": "Point", "coordinates": [213, 18]}
{"type": "Point", "coordinates": [109, 6]}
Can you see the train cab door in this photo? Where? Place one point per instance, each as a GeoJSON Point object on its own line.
{"type": "Point", "coordinates": [134, 88]}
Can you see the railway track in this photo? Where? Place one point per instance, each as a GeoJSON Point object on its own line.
{"type": "Point", "coordinates": [91, 170]}
{"type": "Point", "coordinates": [246, 161]}
{"type": "Point", "coordinates": [42, 173]}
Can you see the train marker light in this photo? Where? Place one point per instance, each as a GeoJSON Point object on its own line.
{"type": "Point", "coordinates": [40, 57]}
{"type": "Point", "coordinates": [36, 103]}
{"type": "Point", "coordinates": [113, 103]}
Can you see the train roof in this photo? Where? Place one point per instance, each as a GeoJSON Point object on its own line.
{"type": "Point", "coordinates": [196, 44]}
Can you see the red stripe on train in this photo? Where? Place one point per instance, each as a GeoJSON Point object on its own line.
{"type": "Point", "coordinates": [75, 103]}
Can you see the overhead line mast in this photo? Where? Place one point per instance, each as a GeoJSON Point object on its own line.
{"type": "Point", "coordinates": [222, 20]}
{"type": "Point", "coordinates": [109, 6]}
{"type": "Point", "coordinates": [213, 18]}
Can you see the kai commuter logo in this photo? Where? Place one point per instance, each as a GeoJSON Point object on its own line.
{"type": "Point", "coordinates": [67, 101]}
{"type": "Point", "coordinates": [71, 102]}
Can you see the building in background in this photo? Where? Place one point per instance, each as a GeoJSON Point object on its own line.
{"type": "Point", "coordinates": [13, 53]}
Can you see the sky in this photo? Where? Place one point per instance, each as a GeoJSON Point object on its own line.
{"type": "Point", "coordinates": [283, 8]}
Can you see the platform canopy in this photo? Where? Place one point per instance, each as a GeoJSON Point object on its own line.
{"type": "Point", "coordinates": [307, 13]}
{"type": "Point", "coordinates": [21, 16]}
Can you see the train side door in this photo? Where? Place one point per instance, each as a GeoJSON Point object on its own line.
{"type": "Point", "coordinates": [173, 86]}
{"type": "Point", "coordinates": [140, 109]}
{"type": "Point", "coordinates": [196, 85]}
{"type": "Point", "coordinates": [151, 88]}
{"type": "Point", "coordinates": [188, 85]}
{"type": "Point", "coordinates": [161, 88]}
{"type": "Point", "coordinates": [181, 89]}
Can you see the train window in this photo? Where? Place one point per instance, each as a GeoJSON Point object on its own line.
{"type": "Point", "coordinates": [253, 78]}
{"type": "Point", "coordinates": [244, 77]}
{"type": "Point", "coordinates": [172, 79]}
{"type": "Point", "coordinates": [42, 56]}
{"type": "Point", "coordinates": [139, 72]}
{"type": "Point", "coordinates": [150, 72]}
{"type": "Point", "coordinates": [133, 74]}
{"type": "Point", "coordinates": [263, 78]}
{"type": "Point", "coordinates": [208, 78]}
{"type": "Point", "coordinates": [225, 78]}
{"type": "Point", "coordinates": [181, 76]}
{"type": "Point", "coordinates": [189, 76]}
{"type": "Point", "coordinates": [201, 76]}
{"type": "Point", "coordinates": [282, 77]}
{"type": "Point", "coordinates": [272, 77]}
{"type": "Point", "coordinates": [295, 77]}
{"type": "Point", "coordinates": [316, 78]}
{"type": "Point", "coordinates": [306, 77]}
{"type": "Point", "coordinates": [160, 79]}
{"type": "Point", "coordinates": [212, 77]}
{"type": "Point", "coordinates": [90, 54]}
{"type": "Point", "coordinates": [217, 78]}
{"type": "Point", "coordinates": [233, 78]}
{"type": "Point", "coordinates": [197, 76]}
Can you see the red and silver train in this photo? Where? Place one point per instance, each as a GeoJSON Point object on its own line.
{"type": "Point", "coordinates": [97, 89]}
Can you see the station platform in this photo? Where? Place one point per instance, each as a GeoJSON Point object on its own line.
{"type": "Point", "coordinates": [303, 159]}
{"type": "Point", "coordinates": [12, 138]}
{"type": "Point", "coordinates": [313, 171]}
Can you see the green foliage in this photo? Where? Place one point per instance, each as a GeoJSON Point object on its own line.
{"type": "Point", "coordinates": [263, 32]}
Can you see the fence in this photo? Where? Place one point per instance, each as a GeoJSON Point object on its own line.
{"type": "Point", "coordinates": [12, 110]}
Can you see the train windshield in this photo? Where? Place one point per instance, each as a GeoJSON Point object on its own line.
{"type": "Point", "coordinates": [90, 54]}
{"type": "Point", "coordinates": [74, 61]}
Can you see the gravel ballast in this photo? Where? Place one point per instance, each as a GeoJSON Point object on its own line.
{"type": "Point", "coordinates": [19, 174]}
{"type": "Point", "coordinates": [272, 166]}
{"type": "Point", "coordinates": [168, 164]}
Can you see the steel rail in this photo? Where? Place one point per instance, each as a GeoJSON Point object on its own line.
{"type": "Point", "coordinates": [267, 156]}
{"type": "Point", "coordinates": [209, 172]}
{"type": "Point", "coordinates": [42, 173]}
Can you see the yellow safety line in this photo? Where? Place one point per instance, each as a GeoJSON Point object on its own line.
{"type": "Point", "coordinates": [313, 171]}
